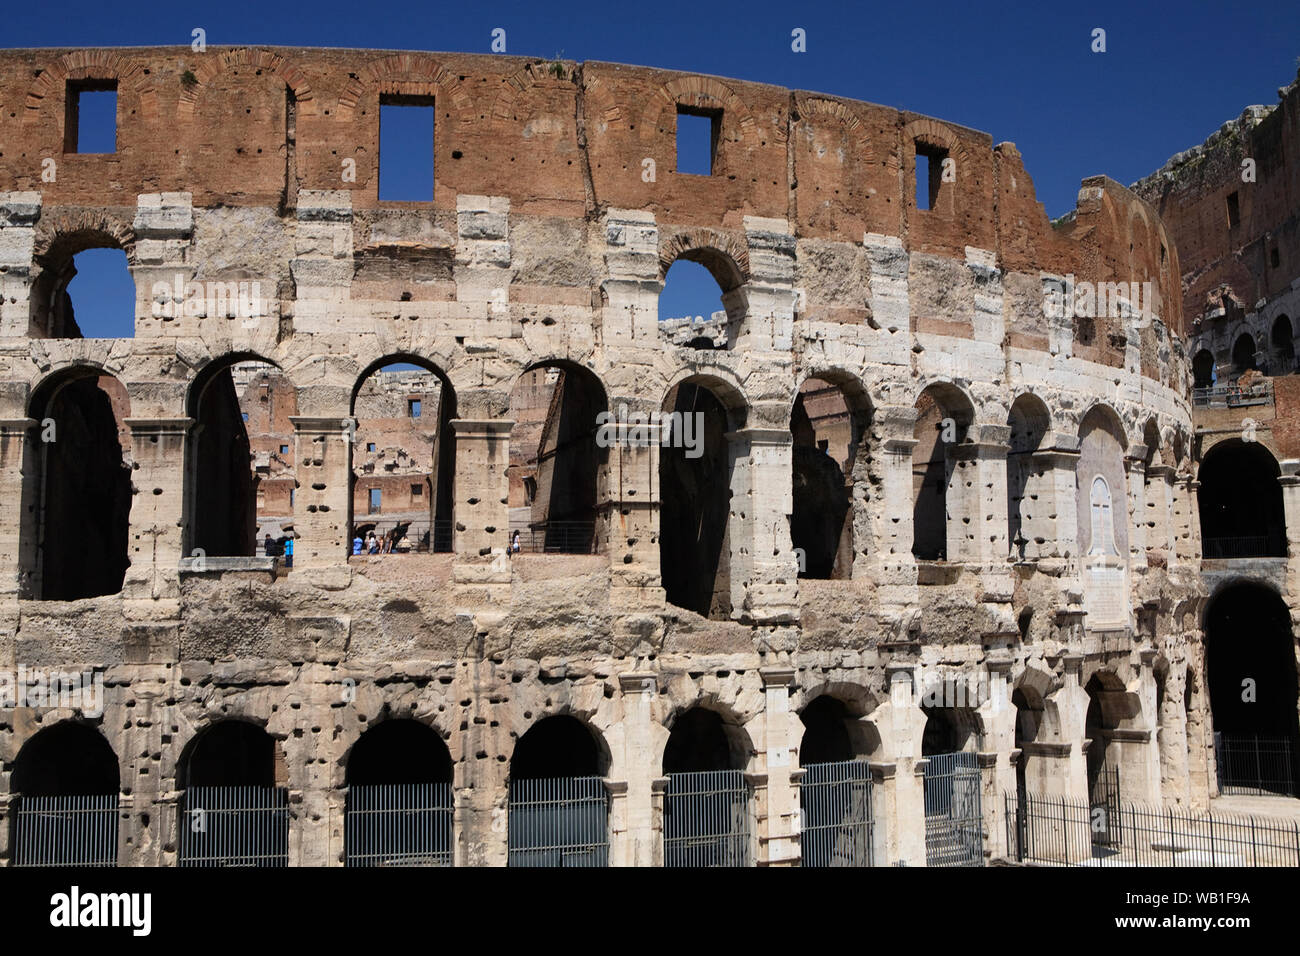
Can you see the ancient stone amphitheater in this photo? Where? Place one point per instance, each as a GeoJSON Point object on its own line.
{"type": "Point", "coordinates": [938, 543]}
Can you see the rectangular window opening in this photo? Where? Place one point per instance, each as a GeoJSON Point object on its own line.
{"type": "Point", "coordinates": [930, 161]}
{"type": "Point", "coordinates": [417, 491]}
{"type": "Point", "coordinates": [697, 140]}
{"type": "Point", "coordinates": [406, 131]}
{"type": "Point", "coordinates": [370, 446]}
{"type": "Point", "coordinates": [413, 406]}
{"type": "Point", "coordinates": [1234, 211]}
{"type": "Point", "coordinates": [90, 125]}
{"type": "Point", "coordinates": [376, 500]}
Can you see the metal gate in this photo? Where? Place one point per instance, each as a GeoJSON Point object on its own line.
{"type": "Point", "coordinates": [398, 825]}
{"type": "Point", "coordinates": [558, 821]}
{"type": "Point", "coordinates": [836, 802]}
{"type": "Point", "coordinates": [1104, 807]}
{"type": "Point", "coordinates": [1247, 764]}
{"type": "Point", "coordinates": [954, 822]}
{"type": "Point", "coordinates": [706, 819]}
{"type": "Point", "coordinates": [234, 826]}
{"type": "Point", "coordinates": [66, 831]}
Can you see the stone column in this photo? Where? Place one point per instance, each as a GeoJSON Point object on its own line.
{"type": "Point", "coordinates": [890, 560]}
{"type": "Point", "coordinates": [631, 293]}
{"type": "Point", "coordinates": [19, 486]}
{"type": "Point", "coordinates": [763, 567]}
{"type": "Point", "coordinates": [158, 449]}
{"type": "Point", "coordinates": [19, 212]}
{"type": "Point", "coordinates": [778, 833]}
{"type": "Point", "coordinates": [1290, 482]}
{"type": "Point", "coordinates": [897, 770]}
{"type": "Point", "coordinates": [1058, 458]}
{"type": "Point", "coordinates": [990, 449]}
{"type": "Point", "coordinates": [1160, 507]}
{"type": "Point", "coordinates": [997, 758]}
{"type": "Point", "coordinates": [641, 844]}
{"type": "Point", "coordinates": [483, 273]}
{"type": "Point", "coordinates": [1186, 520]}
{"type": "Point", "coordinates": [632, 508]}
{"type": "Point", "coordinates": [1135, 467]}
{"type": "Point", "coordinates": [322, 267]}
{"type": "Point", "coordinates": [762, 311]}
{"type": "Point", "coordinates": [323, 447]}
{"type": "Point", "coordinates": [481, 570]}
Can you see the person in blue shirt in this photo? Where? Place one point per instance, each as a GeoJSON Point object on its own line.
{"type": "Point", "coordinates": [288, 552]}
{"type": "Point", "coordinates": [356, 545]}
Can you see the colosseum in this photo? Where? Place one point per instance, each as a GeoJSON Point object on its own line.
{"type": "Point", "coordinates": [892, 550]}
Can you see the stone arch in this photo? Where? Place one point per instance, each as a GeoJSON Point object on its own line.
{"type": "Point", "coordinates": [236, 750]}
{"type": "Point", "coordinates": [49, 86]}
{"type": "Point", "coordinates": [841, 113]}
{"type": "Point", "coordinates": [59, 237]}
{"type": "Point", "coordinates": [45, 765]}
{"type": "Point", "coordinates": [376, 755]}
{"type": "Point", "coordinates": [532, 75]}
{"type": "Point", "coordinates": [553, 738]}
{"type": "Point", "coordinates": [1239, 500]}
{"type": "Point", "coordinates": [704, 92]}
{"type": "Point", "coordinates": [417, 74]}
{"type": "Point", "coordinates": [836, 729]}
{"type": "Point", "coordinates": [740, 749]}
{"type": "Point", "coordinates": [724, 255]}
{"type": "Point", "coordinates": [210, 66]}
{"type": "Point", "coordinates": [439, 722]}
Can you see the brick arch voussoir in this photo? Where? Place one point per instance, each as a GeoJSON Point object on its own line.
{"type": "Point", "coordinates": [210, 68]}
{"type": "Point", "coordinates": [49, 84]}
{"type": "Point", "coordinates": [673, 246]}
{"type": "Point", "coordinates": [705, 92]}
{"type": "Point", "coordinates": [812, 109]}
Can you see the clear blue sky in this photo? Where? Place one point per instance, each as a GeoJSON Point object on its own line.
{"type": "Point", "coordinates": [1171, 75]}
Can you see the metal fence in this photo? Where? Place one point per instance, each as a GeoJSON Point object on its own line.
{"type": "Point", "coordinates": [1232, 396]}
{"type": "Point", "coordinates": [1248, 764]}
{"type": "Point", "coordinates": [398, 825]}
{"type": "Point", "coordinates": [836, 802]}
{"type": "Point", "coordinates": [554, 537]}
{"type": "Point", "coordinates": [234, 826]}
{"type": "Point", "coordinates": [420, 537]}
{"type": "Point", "coordinates": [558, 821]}
{"type": "Point", "coordinates": [1057, 831]}
{"type": "Point", "coordinates": [706, 819]}
{"type": "Point", "coordinates": [1245, 546]}
{"type": "Point", "coordinates": [66, 831]}
{"type": "Point", "coordinates": [954, 823]}
{"type": "Point", "coordinates": [1105, 795]}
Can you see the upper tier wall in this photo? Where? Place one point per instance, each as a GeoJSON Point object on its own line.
{"type": "Point", "coordinates": [254, 126]}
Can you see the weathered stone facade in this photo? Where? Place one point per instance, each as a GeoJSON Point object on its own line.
{"type": "Point", "coordinates": [546, 244]}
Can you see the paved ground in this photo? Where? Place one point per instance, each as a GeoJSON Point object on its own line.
{"type": "Point", "coordinates": [1279, 808]}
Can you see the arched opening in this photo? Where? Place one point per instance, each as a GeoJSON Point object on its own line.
{"type": "Point", "coordinates": [1101, 483]}
{"type": "Point", "coordinates": [1240, 502]}
{"type": "Point", "coordinates": [399, 801]}
{"type": "Point", "coordinates": [954, 823]}
{"type": "Point", "coordinates": [944, 416]}
{"type": "Point", "coordinates": [403, 458]}
{"type": "Point", "coordinates": [1250, 672]}
{"type": "Point", "coordinates": [695, 485]}
{"type": "Point", "coordinates": [83, 288]}
{"type": "Point", "coordinates": [706, 802]}
{"type": "Point", "coordinates": [554, 493]}
{"type": "Point", "coordinates": [1029, 725]}
{"type": "Point", "coordinates": [559, 805]}
{"type": "Point", "coordinates": [240, 469]}
{"type": "Point", "coordinates": [64, 799]}
{"type": "Point", "coordinates": [1243, 355]}
{"type": "Point", "coordinates": [1106, 711]}
{"type": "Point", "coordinates": [693, 308]}
{"type": "Point", "coordinates": [1282, 339]}
{"type": "Point", "coordinates": [1028, 496]}
{"type": "Point", "coordinates": [234, 803]}
{"type": "Point", "coordinates": [827, 443]}
{"type": "Point", "coordinates": [835, 791]}
{"type": "Point", "coordinates": [1203, 372]}
{"type": "Point", "coordinates": [79, 526]}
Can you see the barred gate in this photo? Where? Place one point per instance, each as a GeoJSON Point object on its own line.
{"type": "Point", "coordinates": [398, 825]}
{"type": "Point", "coordinates": [234, 826]}
{"type": "Point", "coordinates": [66, 831]}
{"type": "Point", "coordinates": [706, 819]}
{"type": "Point", "coordinates": [1104, 808]}
{"type": "Point", "coordinates": [1260, 766]}
{"type": "Point", "coordinates": [954, 822]}
{"type": "Point", "coordinates": [836, 803]}
{"type": "Point", "coordinates": [558, 821]}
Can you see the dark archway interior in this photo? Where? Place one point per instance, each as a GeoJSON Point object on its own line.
{"type": "Point", "coordinates": [1240, 502]}
{"type": "Point", "coordinates": [699, 742]}
{"type": "Point", "coordinates": [86, 494]}
{"type": "Point", "coordinates": [399, 752]}
{"type": "Point", "coordinates": [1243, 354]}
{"type": "Point", "coordinates": [559, 746]}
{"type": "Point", "coordinates": [820, 520]}
{"type": "Point", "coordinates": [1203, 369]}
{"type": "Point", "coordinates": [1249, 639]}
{"type": "Point", "coordinates": [66, 760]}
{"type": "Point", "coordinates": [943, 733]}
{"type": "Point", "coordinates": [225, 489]}
{"type": "Point", "coordinates": [696, 503]}
{"type": "Point", "coordinates": [233, 753]}
{"type": "Point", "coordinates": [826, 735]}
{"type": "Point", "coordinates": [1283, 346]}
{"type": "Point", "coordinates": [939, 424]}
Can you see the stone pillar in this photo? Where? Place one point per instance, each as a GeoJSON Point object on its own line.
{"type": "Point", "coordinates": [631, 311]}
{"type": "Point", "coordinates": [322, 267]}
{"type": "Point", "coordinates": [763, 567]}
{"type": "Point", "coordinates": [158, 449]}
{"type": "Point", "coordinates": [323, 453]}
{"type": "Point", "coordinates": [1135, 467]}
{"type": "Point", "coordinates": [642, 843]}
{"type": "Point", "coordinates": [1058, 458]}
{"type": "Point", "coordinates": [1186, 520]}
{"type": "Point", "coordinates": [631, 508]}
{"type": "Point", "coordinates": [991, 546]}
{"type": "Point", "coordinates": [997, 758]}
{"type": "Point", "coordinates": [481, 485]}
{"type": "Point", "coordinates": [897, 770]}
{"type": "Point", "coordinates": [483, 271]}
{"type": "Point", "coordinates": [890, 560]}
{"type": "Point", "coordinates": [19, 486]}
{"type": "Point", "coordinates": [1160, 508]}
{"type": "Point", "coordinates": [167, 300]}
{"type": "Point", "coordinates": [19, 212]}
{"type": "Point", "coordinates": [778, 833]}
{"type": "Point", "coordinates": [762, 311]}
{"type": "Point", "coordinates": [1290, 482]}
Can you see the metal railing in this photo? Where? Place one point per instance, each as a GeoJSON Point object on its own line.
{"type": "Point", "coordinates": [398, 825]}
{"type": "Point", "coordinates": [66, 831]}
{"type": "Point", "coordinates": [558, 821]}
{"type": "Point", "coordinates": [1233, 396]}
{"type": "Point", "coordinates": [234, 826]}
{"type": "Point", "coordinates": [1056, 831]}
{"type": "Point", "coordinates": [954, 822]}
{"type": "Point", "coordinates": [706, 819]}
{"type": "Point", "coordinates": [554, 537]}
{"type": "Point", "coordinates": [837, 825]}
{"type": "Point", "coordinates": [1247, 764]}
{"type": "Point", "coordinates": [425, 537]}
{"type": "Point", "coordinates": [1245, 546]}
